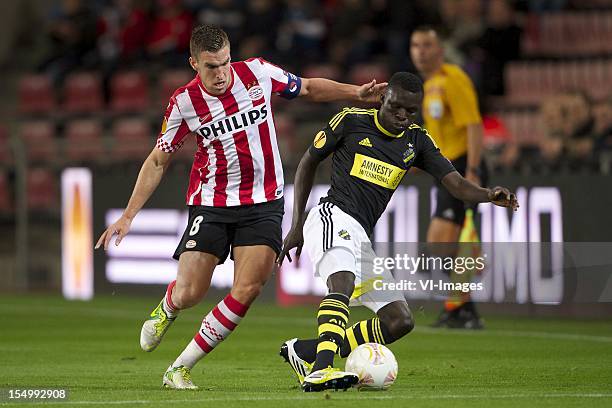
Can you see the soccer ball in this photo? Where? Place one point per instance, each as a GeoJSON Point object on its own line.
{"type": "Point", "coordinates": [375, 365]}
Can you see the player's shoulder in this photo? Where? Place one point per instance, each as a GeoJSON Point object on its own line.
{"type": "Point", "coordinates": [454, 73]}
{"type": "Point", "coordinates": [420, 134]}
{"type": "Point", "coordinates": [352, 115]}
{"type": "Point", "coordinates": [256, 64]}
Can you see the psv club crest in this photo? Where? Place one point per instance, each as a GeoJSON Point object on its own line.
{"type": "Point", "coordinates": [255, 91]}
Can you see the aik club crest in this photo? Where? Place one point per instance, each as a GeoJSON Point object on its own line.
{"type": "Point", "coordinates": [409, 154]}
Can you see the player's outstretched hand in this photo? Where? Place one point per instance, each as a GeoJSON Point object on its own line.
{"type": "Point", "coordinates": [120, 227]}
{"type": "Point", "coordinates": [294, 239]}
{"type": "Point", "coordinates": [371, 92]}
{"type": "Point", "coordinates": [503, 197]}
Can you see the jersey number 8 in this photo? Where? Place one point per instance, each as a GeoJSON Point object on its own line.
{"type": "Point", "coordinates": [195, 227]}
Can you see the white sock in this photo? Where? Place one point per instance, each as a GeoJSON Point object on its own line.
{"type": "Point", "coordinates": [218, 324]}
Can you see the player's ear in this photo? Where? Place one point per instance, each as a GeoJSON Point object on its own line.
{"type": "Point", "coordinates": [194, 63]}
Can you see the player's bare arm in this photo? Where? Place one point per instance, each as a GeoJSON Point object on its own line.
{"type": "Point", "coordinates": [326, 90]}
{"type": "Point", "coordinates": [474, 152]}
{"type": "Point", "coordinates": [150, 175]}
{"type": "Point", "coordinates": [304, 179]}
{"type": "Point", "coordinates": [465, 190]}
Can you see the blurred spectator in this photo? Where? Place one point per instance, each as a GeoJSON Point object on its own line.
{"type": "Point", "coordinates": [499, 44]}
{"type": "Point", "coordinates": [501, 148]}
{"type": "Point", "coordinates": [463, 19]}
{"type": "Point", "coordinates": [569, 130]}
{"type": "Point", "coordinates": [351, 35]}
{"type": "Point", "coordinates": [581, 136]}
{"type": "Point", "coordinates": [261, 29]}
{"type": "Point", "coordinates": [72, 35]}
{"type": "Point", "coordinates": [122, 32]}
{"type": "Point", "coordinates": [228, 14]}
{"type": "Point", "coordinates": [551, 145]}
{"type": "Point", "coordinates": [168, 42]}
{"type": "Point", "coordinates": [602, 114]}
{"type": "Point", "coordinates": [546, 6]}
{"type": "Point", "coordinates": [302, 32]}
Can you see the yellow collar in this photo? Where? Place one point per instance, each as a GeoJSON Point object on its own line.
{"type": "Point", "coordinates": [382, 129]}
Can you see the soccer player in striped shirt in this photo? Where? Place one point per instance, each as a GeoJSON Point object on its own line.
{"type": "Point", "coordinates": [235, 192]}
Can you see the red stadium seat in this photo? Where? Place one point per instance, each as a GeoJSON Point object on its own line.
{"type": "Point", "coordinates": [169, 82]}
{"type": "Point", "coordinates": [129, 91]}
{"type": "Point", "coordinates": [39, 139]}
{"type": "Point", "coordinates": [569, 34]}
{"type": "Point", "coordinates": [84, 141]}
{"type": "Point", "coordinates": [42, 189]}
{"type": "Point", "coordinates": [36, 94]}
{"type": "Point", "coordinates": [524, 127]}
{"type": "Point", "coordinates": [83, 93]}
{"type": "Point", "coordinates": [6, 201]}
{"type": "Point", "coordinates": [132, 139]}
{"type": "Point", "coordinates": [529, 82]}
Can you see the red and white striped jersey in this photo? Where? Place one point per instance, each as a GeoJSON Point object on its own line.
{"type": "Point", "coordinates": [237, 161]}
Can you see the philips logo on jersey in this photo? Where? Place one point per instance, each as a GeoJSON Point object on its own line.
{"type": "Point", "coordinates": [233, 123]}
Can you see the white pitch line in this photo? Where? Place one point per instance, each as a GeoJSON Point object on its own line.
{"type": "Point", "coordinates": [339, 397]}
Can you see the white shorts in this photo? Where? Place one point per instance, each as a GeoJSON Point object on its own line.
{"type": "Point", "coordinates": [336, 242]}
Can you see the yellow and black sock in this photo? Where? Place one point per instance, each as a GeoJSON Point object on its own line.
{"type": "Point", "coordinates": [365, 331]}
{"type": "Point", "coordinates": [332, 317]}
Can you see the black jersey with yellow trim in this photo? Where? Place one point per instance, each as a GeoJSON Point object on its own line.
{"type": "Point", "coordinates": [369, 162]}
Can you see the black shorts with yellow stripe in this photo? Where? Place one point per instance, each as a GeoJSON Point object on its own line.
{"type": "Point", "coordinates": [450, 208]}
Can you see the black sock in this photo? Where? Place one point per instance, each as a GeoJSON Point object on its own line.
{"type": "Point", "coordinates": [307, 349]}
{"type": "Point", "coordinates": [365, 331]}
{"type": "Point", "coordinates": [332, 318]}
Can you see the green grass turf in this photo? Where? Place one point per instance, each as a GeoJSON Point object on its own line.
{"type": "Point", "coordinates": [92, 348]}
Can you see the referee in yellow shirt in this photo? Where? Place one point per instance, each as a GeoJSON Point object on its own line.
{"type": "Point", "coordinates": [451, 114]}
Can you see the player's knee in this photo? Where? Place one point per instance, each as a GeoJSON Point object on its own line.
{"type": "Point", "coordinates": [398, 324]}
{"type": "Point", "coordinates": [185, 297]}
{"type": "Point", "coordinates": [341, 282]}
{"type": "Point", "coordinates": [401, 327]}
{"type": "Point", "coordinates": [404, 325]}
{"type": "Point", "coordinates": [247, 293]}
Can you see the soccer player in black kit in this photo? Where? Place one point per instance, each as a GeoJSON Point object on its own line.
{"type": "Point", "coordinates": [372, 151]}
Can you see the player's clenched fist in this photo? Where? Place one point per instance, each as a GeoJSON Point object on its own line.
{"type": "Point", "coordinates": [120, 227]}
{"type": "Point", "coordinates": [503, 197]}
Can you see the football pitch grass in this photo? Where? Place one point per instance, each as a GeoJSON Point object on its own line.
{"type": "Point", "coordinates": [92, 349]}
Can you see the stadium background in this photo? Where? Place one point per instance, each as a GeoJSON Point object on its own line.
{"type": "Point", "coordinates": [84, 85]}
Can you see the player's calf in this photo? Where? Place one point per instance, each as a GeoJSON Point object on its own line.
{"type": "Point", "coordinates": [332, 318]}
{"type": "Point", "coordinates": [397, 319]}
{"type": "Point", "coordinates": [394, 321]}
